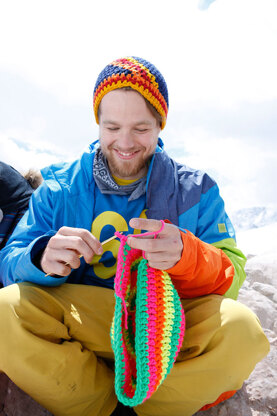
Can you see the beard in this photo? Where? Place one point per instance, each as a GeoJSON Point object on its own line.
{"type": "Point", "coordinates": [126, 168]}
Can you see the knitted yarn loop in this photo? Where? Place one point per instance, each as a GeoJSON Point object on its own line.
{"type": "Point", "coordinates": [148, 325]}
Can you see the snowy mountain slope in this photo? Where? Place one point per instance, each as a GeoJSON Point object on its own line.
{"type": "Point", "coordinates": [258, 241]}
{"type": "Point", "coordinates": [255, 217]}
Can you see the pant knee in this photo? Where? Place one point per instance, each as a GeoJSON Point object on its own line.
{"type": "Point", "coordinates": [243, 331]}
{"type": "Point", "coordinates": [8, 299]}
{"type": "Point", "coordinates": [21, 306]}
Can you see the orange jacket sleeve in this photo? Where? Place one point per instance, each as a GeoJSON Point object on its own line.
{"type": "Point", "coordinates": [203, 269]}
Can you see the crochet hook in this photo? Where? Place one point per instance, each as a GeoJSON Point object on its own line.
{"type": "Point", "coordinates": [104, 242]}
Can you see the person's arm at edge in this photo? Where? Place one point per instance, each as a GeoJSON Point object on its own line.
{"type": "Point", "coordinates": [30, 236]}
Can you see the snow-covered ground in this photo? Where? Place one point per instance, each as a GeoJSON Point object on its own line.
{"type": "Point", "coordinates": [259, 241]}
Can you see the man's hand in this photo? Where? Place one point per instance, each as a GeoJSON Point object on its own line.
{"type": "Point", "coordinates": [163, 252]}
{"type": "Point", "coordinates": [65, 248]}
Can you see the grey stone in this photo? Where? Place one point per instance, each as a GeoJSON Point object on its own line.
{"type": "Point", "coordinates": [14, 402]}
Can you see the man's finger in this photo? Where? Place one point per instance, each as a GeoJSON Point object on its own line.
{"type": "Point", "coordinates": [84, 235]}
{"type": "Point", "coordinates": [160, 265]}
{"type": "Point", "coordinates": [60, 242]}
{"type": "Point", "coordinates": [145, 224]}
{"type": "Point", "coordinates": [58, 268]}
{"type": "Point", "coordinates": [147, 244]}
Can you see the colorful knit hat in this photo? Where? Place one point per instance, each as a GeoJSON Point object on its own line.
{"type": "Point", "coordinates": [138, 74]}
{"type": "Point", "coordinates": [148, 325]}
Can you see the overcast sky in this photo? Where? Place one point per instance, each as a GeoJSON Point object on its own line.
{"type": "Point", "coordinates": [218, 58]}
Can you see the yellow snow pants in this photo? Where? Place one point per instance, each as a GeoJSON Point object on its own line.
{"type": "Point", "coordinates": [55, 345]}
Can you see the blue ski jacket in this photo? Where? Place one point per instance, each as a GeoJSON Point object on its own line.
{"type": "Point", "coordinates": [69, 197]}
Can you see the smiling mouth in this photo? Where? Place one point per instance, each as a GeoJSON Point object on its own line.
{"type": "Point", "coordinates": [126, 155]}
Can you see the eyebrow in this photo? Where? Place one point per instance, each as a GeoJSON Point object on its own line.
{"type": "Point", "coordinates": [147, 122]}
{"type": "Point", "coordinates": [109, 122]}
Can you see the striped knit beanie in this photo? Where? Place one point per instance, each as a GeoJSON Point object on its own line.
{"type": "Point", "coordinates": [148, 326]}
{"type": "Point", "coordinates": [138, 74]}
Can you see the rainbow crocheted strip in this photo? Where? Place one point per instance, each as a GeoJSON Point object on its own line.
{"type": "Point", "coordinates": [148, 326]}
{"type": "Point", "coordinates": [138, 74]}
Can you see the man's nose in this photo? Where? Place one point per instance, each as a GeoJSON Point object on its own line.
{"type": "Point", "coordinates": [125, 139]}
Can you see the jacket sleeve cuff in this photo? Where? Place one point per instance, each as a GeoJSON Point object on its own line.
{"type": "Point", "coordinates": [29, 272]}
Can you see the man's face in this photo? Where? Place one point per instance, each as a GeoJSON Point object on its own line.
{"type": "Point", "coordinates": [128, 133]}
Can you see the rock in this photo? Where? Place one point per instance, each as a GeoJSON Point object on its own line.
{"type": "Point", "coordinates": [258, 397]}
{"type": "Point", "coordinates": [241, 405]}
{"type": "Point", "coordinates": [4, 381]}
{"type": "Point", "coordinates": [14, 402]}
